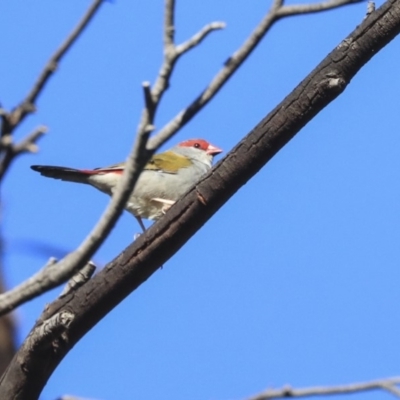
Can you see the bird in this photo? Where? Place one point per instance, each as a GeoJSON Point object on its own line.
{"type": "Point", "coordinates": [164, 179]}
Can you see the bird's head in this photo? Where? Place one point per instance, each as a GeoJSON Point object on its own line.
{"type": "Point", "coordinates": [201, 145]}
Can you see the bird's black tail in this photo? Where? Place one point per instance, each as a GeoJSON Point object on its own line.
{"type": "Point", "coordinates": [65, 174]}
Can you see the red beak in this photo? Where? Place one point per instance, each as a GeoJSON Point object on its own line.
{"type": "Point", "coordinates": [213, 150]}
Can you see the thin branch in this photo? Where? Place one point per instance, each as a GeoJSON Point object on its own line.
{"type": "Point", "coordinates": [148, 101]}
{"type": "Point", "coordinates": [387, 384]}
{"type": "Point", "coordinates": [28, 144]}
{"type": "Point", "coordinates": [79, 279]}
{"type": "Point", "coordinates": [276, 12]}
{"type": "Point", "coordinates": [298, 9]}
{"type": "Point", "coordinates": [28, 104]}
{"type": "Point", "coordinates": [392, 389]}
{"type": "Point", "coordinates": [11, 151]}
{"type": "Point", "coordinates": [169, 24]}
{"type": "Point", "coordinates": [199, 37]}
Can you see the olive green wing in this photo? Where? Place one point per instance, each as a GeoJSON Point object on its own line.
{"type": "Point", "coordinates": [168, 162]}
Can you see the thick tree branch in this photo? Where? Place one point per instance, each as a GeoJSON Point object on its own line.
{"type": "Point", "coordinates": [387, 384]}
{"type": "Point", "coordinates": [139, 261]}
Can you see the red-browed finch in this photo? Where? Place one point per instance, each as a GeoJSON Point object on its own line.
{"type": "Point", "coordinates": [165, 178]}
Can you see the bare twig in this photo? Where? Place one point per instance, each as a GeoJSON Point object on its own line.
{"type": "Point", "coordinates": [10, 151]}
{"type": "Point", "coordinates": [28, 144]}
{"type": "Point", "coordinates": [169, 24]}
{"type": "Point", "coordinates": [387, 384]}
{"type": "Point", "coordinates": [392, 389]}
{"type": "Point", "coordinates": [79, 279]}
{"type": "Point", "coordinates": [199, 37]}
{"type": "Point", "coordinates": [11, 120]}
{"type": "Point", "coordinates": [148, 101]}
{"type": "Point", "coordinates": [276, 12]}
{"type": "Point", "coordinates": [298, 9]}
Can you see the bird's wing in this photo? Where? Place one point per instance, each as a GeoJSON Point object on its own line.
{"type": "Point", "coordinates": [111, 168]}
{"type": "Point", "coordinates": [168, 162]}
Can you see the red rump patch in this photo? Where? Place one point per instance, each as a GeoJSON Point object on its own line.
{"type": "Point", "coordinates": [196, 143]}
{"type": "Point", "coordinates": [101, 171]}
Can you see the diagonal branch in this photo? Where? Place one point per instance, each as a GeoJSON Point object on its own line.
{"type": "Point", "coordinates": [387, 384]}
{"type": "Point", "coordinates": [139, 261]}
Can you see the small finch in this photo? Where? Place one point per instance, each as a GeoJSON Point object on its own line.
{"type": "Point", "coordinates": [165, 178]}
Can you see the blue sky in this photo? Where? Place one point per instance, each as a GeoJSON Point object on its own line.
{"type": "Point", "coordinates": [294, 281]}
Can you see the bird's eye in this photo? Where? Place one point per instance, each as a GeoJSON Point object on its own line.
{"type": "Point", "coordinates": [196, 145]}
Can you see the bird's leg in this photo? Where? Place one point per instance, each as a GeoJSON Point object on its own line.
{"type": "Point", "coordinates": [140, 223]}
